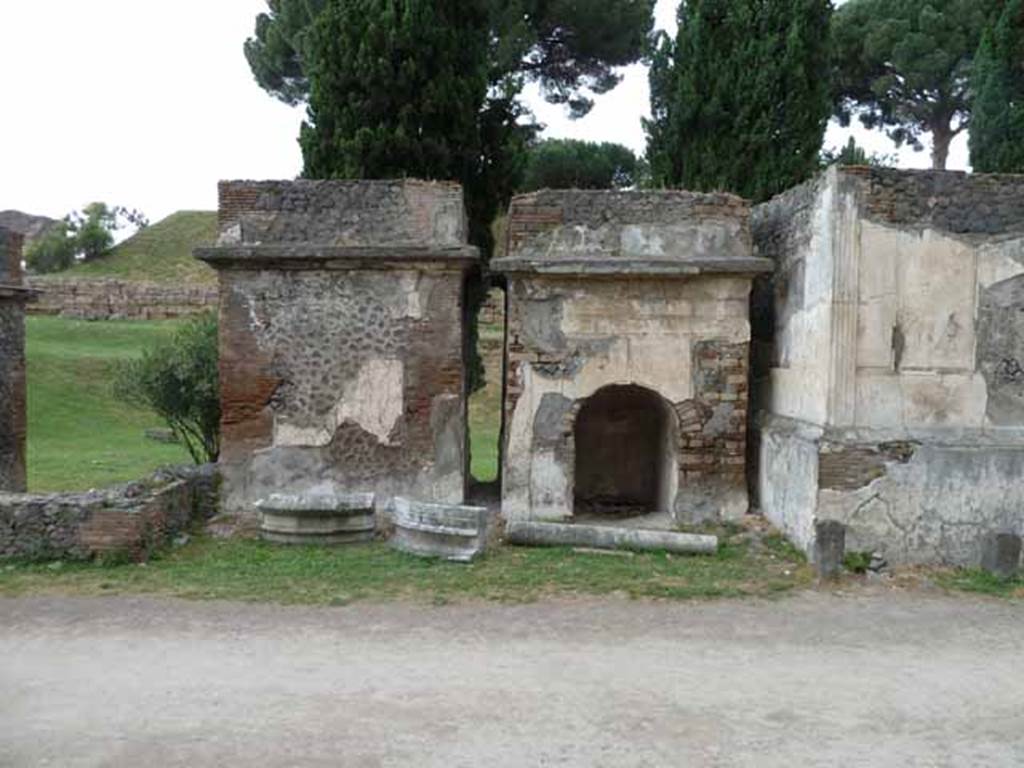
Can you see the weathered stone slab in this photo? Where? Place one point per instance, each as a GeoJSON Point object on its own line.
{"type": "Point", "coordinates": [1001, 555]}
{"type": "Point", "coordinates": [829, 548]}
{"type": "Point", "coordinates": [536, 534]}
{"type": "Point", "coordinates": [318, 518]}
{"type": "Point", "coordinates": [449, 531]}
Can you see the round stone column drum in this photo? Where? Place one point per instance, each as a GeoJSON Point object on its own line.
{"type": "Point", "coordinates": [324, 518]}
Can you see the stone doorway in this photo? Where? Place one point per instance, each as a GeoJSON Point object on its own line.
{"type": "Point", "coordinates": [626, 463]}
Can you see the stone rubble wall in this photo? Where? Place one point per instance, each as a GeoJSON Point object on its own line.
{"type": "Point", "coordinates": [131, 520]}
{"type": "Point", "coordinates": [892, 337]}
{"type": "Point", "coordinates": [12, 364]}
{"type": "Point", "coordinates": [561, 224]}
{"type": "Point", "coordinates": [343, 213]}
{"type": "Point", "coordinates": [110, 299]}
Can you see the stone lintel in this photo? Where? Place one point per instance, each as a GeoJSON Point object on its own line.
{"type": "Point", "coordinates": [634, 267]}
{"type": "Point", "coordinates": [315, 256]}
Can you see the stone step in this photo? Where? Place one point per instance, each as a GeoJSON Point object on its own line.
{"type": "Point", "coordinates": [537, 534]}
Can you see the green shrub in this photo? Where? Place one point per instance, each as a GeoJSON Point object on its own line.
{"type": "Point", "coordinates": [179, 379]}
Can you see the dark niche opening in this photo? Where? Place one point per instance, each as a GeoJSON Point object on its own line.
{"type": "Point", "coordinates": [625, 454]}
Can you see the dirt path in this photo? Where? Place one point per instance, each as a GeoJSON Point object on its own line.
{"type": "Point", "coordinates": [900, 679]}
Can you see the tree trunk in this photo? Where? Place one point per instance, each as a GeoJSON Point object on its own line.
{"type": "Point", "coordinates": [941, 139]}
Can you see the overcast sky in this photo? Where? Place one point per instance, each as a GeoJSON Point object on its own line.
{"type": "Point", "coordinates": [147, 104]}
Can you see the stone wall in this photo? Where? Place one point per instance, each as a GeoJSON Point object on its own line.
{"type": "Point", "coordinates": [130, 520]}
{"type": "Point", "coordinates": [893, 349]}
{"type": "Point", "coordinates": [110, 299]}
{"type": "Point", "coordinates": [342, 343]}
{"type": "Point", "coordinates": [628, 290]}
{"type": "Point", "coordinates": [12, 363]}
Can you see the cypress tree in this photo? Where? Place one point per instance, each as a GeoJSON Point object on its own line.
{"type": "Point", "coordinates": [740, 100]}
{"type": "Point", "coordinates": [997, 122]}
{"type": "Point", "coordinates": [396, 87]}
{"type": "Point", "coordinates": [399, 88]}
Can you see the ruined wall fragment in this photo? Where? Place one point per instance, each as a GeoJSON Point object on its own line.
{"type": "Point", "coordinates": [342, 339]}
{"type": "Point", "coordinates": [903, 374]}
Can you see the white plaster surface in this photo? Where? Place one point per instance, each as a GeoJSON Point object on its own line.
{"type": "Point", "coordinates": [1000, 261]}
{"type": "Point", "coordinates": [937, 508]}
{"type": "Point", "coordinates": [788, 480]}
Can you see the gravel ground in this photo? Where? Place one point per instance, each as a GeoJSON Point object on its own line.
{"type": "Point", "coordinates": [868, 678]}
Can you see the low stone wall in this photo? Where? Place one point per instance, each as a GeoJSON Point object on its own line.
{"type": "Point", "coordinates": [108, 299]}
{"type": "Point", "coordinates": [132, 519]}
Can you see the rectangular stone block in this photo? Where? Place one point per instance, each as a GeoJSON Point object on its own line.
{"type": "Point", "coordinates": [829, 548]}
{"type": "Point", "coordinates": [1001, 555]}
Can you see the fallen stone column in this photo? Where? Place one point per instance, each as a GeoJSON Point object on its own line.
{"type": "Point", "coordinates": [608, 537]}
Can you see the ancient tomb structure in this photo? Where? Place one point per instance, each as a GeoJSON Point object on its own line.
{"type": "Point", "coordinates": [627, 350]}
{"type": "Point", "coordinates": [341, 322]}
{"type": "Point", "coordinates": [13, 296]}
{"type": "Point", "coordinates": [893, 361]}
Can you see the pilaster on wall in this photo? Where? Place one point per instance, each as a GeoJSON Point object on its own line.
{"type": "Point", "coordinates": [842, 391]}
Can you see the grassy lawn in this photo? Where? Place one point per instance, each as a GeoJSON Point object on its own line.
{"type": "Point", "coordinates": [253, 571]}
{"type": "Point", "coordinates": [485, 407]}
{"type": "Point", "coordinates": [79, 435]}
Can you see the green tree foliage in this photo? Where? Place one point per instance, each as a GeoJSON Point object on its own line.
{"type": "Point", "coordinates": [571, 164]}
{"type": "Point", "coordinates": [179, 380]}
{"type": "Point", "coordinates": [395, 89]}
{"type": "Point", "coordinates": [997, 120]}
{"type": "Point", "coordinates": [904, 66]}
{"type": "Point", "coordinates": [569, 47]}
{"type": "Point", "coordinates": [94, 229]}
{"type": "Point", "coordinates": [54, 251]}
{"type": "Point", "coordinates": [739, 101]}
{"type": "Point", "coordinates": [86, 234]}
{"type": "Point", "coordinates": [854, 154]}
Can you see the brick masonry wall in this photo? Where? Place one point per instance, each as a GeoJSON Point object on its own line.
{"type": "Point", "coordinates": [713, 425]}
{"type": "Point", "coordinates": [130, 520]}
{"type": "Point", "coordinates": [109, 299]}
